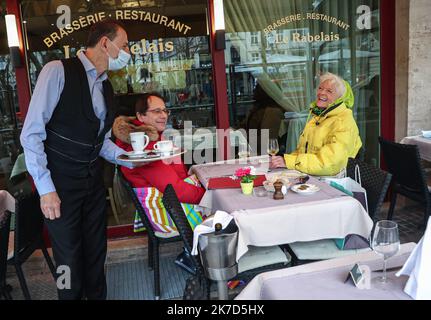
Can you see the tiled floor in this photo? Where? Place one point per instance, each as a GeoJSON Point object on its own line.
{"type": "Point", "coordinates": [42, 286]}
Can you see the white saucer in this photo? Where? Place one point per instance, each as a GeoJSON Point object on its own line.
{"type": "Point", "coordinates": [305, 189]}
{"type": "Point", "coordinates": [174, 150]}
{"type": "Point", "coordinates": [136, 154]}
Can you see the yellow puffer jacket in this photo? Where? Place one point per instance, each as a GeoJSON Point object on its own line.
{"type": "Point", "coordinates": [327, 141]}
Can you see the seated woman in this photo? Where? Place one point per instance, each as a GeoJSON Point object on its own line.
{"type": "Point", "coordinates": [149, 181]}
{"type": "Point", "coordinates": [330, 137]}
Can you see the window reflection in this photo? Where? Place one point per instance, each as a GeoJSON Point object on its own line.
{"type": "Point", "coordinates": [284, 46]}
{"type": "Point", "coordinates": [168, 42]}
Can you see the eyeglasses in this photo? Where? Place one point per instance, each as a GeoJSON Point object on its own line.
{"type": "Point", "coordinates": [160, 111]}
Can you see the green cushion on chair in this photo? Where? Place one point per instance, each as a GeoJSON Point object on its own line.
{"type": "Point", "coordinates": [257, 257]}
{"type": "Point", "coordinates": [321, 250]}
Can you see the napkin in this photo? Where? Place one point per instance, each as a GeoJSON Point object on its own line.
{"type": "Point", "coordinates": [7, 202]}
{"type": "Point", "coordinates": [208, 226]}
{"type": "Point", "coordinates": [229, 182]}
{"type": "Point", "coordinates": [418, 267]}
{"type": "Point", "coordinates": [426, 134]}
{"type": "Point", "coordinates": [341, 188]}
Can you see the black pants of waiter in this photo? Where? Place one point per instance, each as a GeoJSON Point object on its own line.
{"type": "Point", "coordinates": [79, 237]}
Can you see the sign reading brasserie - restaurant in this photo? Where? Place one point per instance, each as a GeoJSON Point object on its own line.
{"type": "Point", "coordinates": [363, 22]}
{"type": "Point", "coordinates": [136, 15]}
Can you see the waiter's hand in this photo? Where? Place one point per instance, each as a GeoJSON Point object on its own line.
{"type": "Point", "coordinates": [50, 205]}
{"type": "Point", "coordinates": [277, 162]}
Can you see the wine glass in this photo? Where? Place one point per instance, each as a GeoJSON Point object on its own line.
{"type": "Point", "coordinates": [273, 147]}
{"type": "Point", "coordinates": [244, 150]}
{"type": "Point", "coordinates": [386, 242]}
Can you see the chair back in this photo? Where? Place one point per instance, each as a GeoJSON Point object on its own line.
{"type": "Point", "coordinates": [4, 245]}
{"type": "Point", "coordinates": [176, 212]}
{"type": "Point", "coordinates": [374, 180]}
{"type": "Point", "coordinates": [404, 163]}
{"type": "Point", "coordinates": [28, 221]}
{"type": "Point", "coordinates": [144, 218]}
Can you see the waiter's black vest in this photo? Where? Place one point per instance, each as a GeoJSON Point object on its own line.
{"type": "Point", "coordinates": [73, 141]}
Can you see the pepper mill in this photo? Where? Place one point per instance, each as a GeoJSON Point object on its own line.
{"type": "Point", "coordinates": [278, 195]}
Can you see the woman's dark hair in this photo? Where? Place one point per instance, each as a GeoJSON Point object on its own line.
{"type": "Point", "coordinates": [105, 28]}
{"type": "Point", "coordinates": [262, 98]}
{"type": "Point", "coordinates": [141, 105]}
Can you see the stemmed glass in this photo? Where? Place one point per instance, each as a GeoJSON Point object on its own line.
{"type": "Point", "coordinates": [244, 150]}
{"type": "Point", "coordinates": [386, 242]}
{"type": "Point", "coordinates": [273, 147]}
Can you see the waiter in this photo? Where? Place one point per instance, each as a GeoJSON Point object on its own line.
{"type": "Point", "coordinates": [65, 133]}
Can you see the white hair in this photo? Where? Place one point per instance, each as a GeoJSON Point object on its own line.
{"type": "Point", "coordinates": [335, 80]}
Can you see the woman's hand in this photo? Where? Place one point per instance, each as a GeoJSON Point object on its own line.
{"type": "Point", "coordinates": [277, 162]}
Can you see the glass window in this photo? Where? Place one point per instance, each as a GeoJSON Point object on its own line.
{"type": "Point", "coordinates": [302, 39]}
{"type": "Point", "coordinates": [169, 45]}
{"type": "Point", "coordinates": [168, 42]}
{"type": "Point", "coordinates": [254, 38]}
{"type": "Point", "coordinates": [255, 56]}
{"type": "Point", "coordinates": [10, 124]}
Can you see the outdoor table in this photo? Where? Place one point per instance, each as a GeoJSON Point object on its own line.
{"type": "Point", "coordinates": [325, 280]}
{"type": "Point", "coordinates": [263, 221]}
{"type": "Point", "coordinates": [424, 145]}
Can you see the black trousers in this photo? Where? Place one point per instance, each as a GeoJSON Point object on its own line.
{"type": "Point", "coordinates": [78, 237]}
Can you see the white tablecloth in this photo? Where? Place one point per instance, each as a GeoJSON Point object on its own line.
{"type": "Point", "coordinates": [424, 145]}
{"type": "Point", "coordinates": [327, 214]}
{"type": "Point", "coordinates": [325, 280]}
{"type": "Point", "coordinates": [326, 219]}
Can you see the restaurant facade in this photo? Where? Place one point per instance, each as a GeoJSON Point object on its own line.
{"type": "Point", "coordinates": [207, 56]}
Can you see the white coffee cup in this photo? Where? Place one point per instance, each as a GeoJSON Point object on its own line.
{"type": "Point", "coordinates": [139, 141]}
{"type": "Point", "coordinates": [164, 146]}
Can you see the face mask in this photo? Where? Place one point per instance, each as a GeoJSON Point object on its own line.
{"type": "Point", "coordinates": [120, 62]}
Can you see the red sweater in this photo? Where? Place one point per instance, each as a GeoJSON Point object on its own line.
{"type": "Point", "coordinates": [158, 174]}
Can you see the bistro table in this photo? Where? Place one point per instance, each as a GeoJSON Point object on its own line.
{"type": "Point", "coordinates": [325, 280]}
{"type": "Point", "coordinates": [424, 145]}
{"type": "Point", "coordinates": [263, 221]}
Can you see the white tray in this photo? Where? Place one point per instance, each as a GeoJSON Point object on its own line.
{"type": "Point", "coordinates": [150, 157]}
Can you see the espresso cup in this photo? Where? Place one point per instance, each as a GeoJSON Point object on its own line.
{"type": "Point", "coordinates": [139, 141]}
{"type": "Point", "coordinates": [164, 146]}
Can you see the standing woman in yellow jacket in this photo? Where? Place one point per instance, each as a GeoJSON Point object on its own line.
{"type": "Point", "coordinates": [330, 136]}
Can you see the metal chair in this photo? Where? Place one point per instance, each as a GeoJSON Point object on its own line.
{"type": "Point", "coordinates": [280, 260]}
{"type": "Point", "coordinates": [108, 177]}
{"type": "Point", "coordinates": [404, 163]}
{"type": "Point", "coordinates": [28, 236]}
{"type": "Point", "coordinates": [154, 238]}
{"type": "Point", "coordinates": [5, 289]}
{"type": "Point", "coordinates": [376, 182]}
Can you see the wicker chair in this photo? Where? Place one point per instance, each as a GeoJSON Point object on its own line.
{"type": "Point", "coordinates": [376, 182]}
{"type": "Point", "coordinates": [404, 162]}
{"type": "Point", "coordinates": [273, 257]}
{"type": "Point", "coordinates": [155, 239]}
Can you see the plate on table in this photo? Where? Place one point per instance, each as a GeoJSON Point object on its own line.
{"type": "Point", "coordinates": [269, 185]}
{"type": "Point", "coordinates": [305, 189]}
